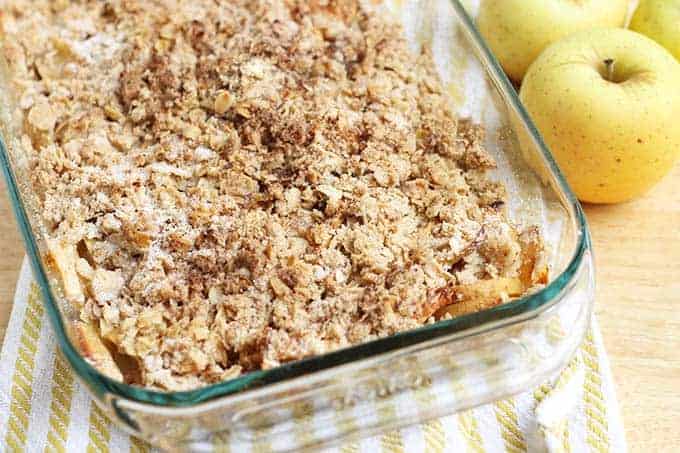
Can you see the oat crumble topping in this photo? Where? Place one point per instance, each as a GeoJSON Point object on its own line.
{"type": "Point", "coordinates": [228, 186]}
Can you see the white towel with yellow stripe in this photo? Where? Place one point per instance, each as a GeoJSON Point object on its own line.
{"type": "Point", "coordinates": [44, 409]}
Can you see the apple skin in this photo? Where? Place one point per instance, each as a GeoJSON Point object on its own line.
{"type": "Point", "coordinates": [613, 140]}
{"type": "Point", "coordinates": [659, 20]}
{"type": "Point", "coordinates": [517, 31]}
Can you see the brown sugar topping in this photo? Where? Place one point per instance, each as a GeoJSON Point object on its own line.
{"type": "Point", "coordinates": [228, 186]}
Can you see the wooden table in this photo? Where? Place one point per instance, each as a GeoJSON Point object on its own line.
{"type": "Point", "coordinates": [637, 248]}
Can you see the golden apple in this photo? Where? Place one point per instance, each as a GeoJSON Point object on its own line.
{"type": "Point", "coordinates": [660, 20]}
{"type": "Point", "coordinates": [607, 103]}
{"type": "Point", "coordinates": [517, 31]}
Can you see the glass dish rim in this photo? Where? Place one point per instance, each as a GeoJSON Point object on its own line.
{"type": "Point", "coordinates": [511, 312]}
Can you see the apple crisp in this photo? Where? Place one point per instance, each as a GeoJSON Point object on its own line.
{"type": "Point", "coordinates": [228, 186]}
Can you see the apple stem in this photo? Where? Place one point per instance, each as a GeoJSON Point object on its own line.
{"type": "Point", "coordinates": [609, 66]}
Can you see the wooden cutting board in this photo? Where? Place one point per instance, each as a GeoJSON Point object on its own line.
{"type": "Point", "coordinates": [637, 254]}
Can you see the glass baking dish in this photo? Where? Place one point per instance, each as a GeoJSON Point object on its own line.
{"type": "Point", "coordinates": [440, 368]}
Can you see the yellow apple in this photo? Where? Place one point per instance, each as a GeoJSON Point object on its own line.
{"type": "Point", "coordinates": [660, 20]}
{"type": "Point", "coordinates": [517, 31]}
{"type": "Point", "coordinates": [607, 103]}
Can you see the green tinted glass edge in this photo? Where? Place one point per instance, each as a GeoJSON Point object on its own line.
{"type": "Point", "coordinates": [102, 385]}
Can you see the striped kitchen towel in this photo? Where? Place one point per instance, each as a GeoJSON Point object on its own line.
{"type": "Point", "coordinates": [44, 409]}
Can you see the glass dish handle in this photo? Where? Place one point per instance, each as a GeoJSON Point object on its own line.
{"type": "Point", "coordinates": [431, 384]}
